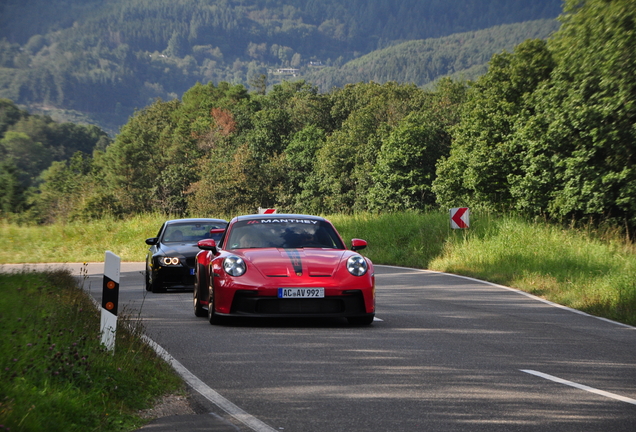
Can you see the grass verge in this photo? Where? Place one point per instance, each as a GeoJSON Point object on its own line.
{"type": "Point", "coordinates": [54, 373]}
{"type": "Point", "coordinates": [588, 269]}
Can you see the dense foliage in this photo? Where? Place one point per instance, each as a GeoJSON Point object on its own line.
{"type": "Point", "coordinates": [550, 129]}
{"type": "Point", "coordinates": [107, 58]}
{"type": "Point", "coordinates": [29, 144]}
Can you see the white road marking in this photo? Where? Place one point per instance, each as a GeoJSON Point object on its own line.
{"type": "Point", "coordinates": [580, 386]}
{"type": "Point", "coordinates": [218, 400]}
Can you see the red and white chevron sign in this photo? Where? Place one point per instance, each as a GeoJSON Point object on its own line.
{"type": "Point", "coordinates": [266, 210]}
{"type": "Point", "coordinates": [459, 217]}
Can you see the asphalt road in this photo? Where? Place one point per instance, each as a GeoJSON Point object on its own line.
{"type": "Point", "coordinates": [449, 354]}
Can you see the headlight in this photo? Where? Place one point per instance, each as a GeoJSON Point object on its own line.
{"type": "Point", "coordinates": [357, 265]}
{"type": "Point", "coordinates": [234, 266]}
{"type": "Point", "coordinates": [168, 261]}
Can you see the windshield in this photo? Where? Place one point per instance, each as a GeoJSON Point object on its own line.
{"type": "Point", "coordinates": [191, 232]}
{"type": "Point", "coordinates": [283, 233]}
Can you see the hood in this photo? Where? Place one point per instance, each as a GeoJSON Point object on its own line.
{"type": "Point", "coordinates": [184, 249]}
{"type": "Point", "coordinates": [291, 262]}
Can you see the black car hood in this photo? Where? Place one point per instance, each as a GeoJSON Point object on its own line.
{"type": "Point", "coordinates": [178, 249]}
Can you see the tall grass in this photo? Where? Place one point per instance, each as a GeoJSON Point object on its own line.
{"type": "Point", "coordinates": [407, 239]}
{"type": "Point", "coordinates": [589, 270]}
{"type": "Point", "coordinates": [79, 241]}
{"type": "Point", "coordinates": [54, 373]}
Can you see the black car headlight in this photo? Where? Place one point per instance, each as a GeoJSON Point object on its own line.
{"type": "Point", "coordinates": [234, 265]}
{"type": "Point", "coordinates": [357, 265]}
{"type": "Point", "coordinates": [169, 261]}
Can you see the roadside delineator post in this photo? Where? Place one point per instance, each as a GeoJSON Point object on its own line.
{"type": "Point", "coordinates": [459, 217]}
{"type": "Point", "coordinates": [110, 300]}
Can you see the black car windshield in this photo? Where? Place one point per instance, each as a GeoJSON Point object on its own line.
{"type": "Point", "coordinates": [191, 232]}
{"type": "Point", "coordinates": [283, 233]}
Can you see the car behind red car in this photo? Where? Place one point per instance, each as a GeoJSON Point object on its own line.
{"type": "Point", "coordinates": [283, 266]}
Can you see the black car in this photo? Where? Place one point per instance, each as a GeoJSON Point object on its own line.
{"type": "Point", "coordinates": [170, 262]}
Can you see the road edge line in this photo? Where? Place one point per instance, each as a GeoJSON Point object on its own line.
{"type": "Point", "coordinates": [207, 392]}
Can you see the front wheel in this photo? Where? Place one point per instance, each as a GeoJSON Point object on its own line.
{"type": "Point", "coordinates": [212, 316]}
{"type": "Point", "coordinates": [199, 288]}
{"type": "Point", "coordinates": [361, 320]}
{"type": "Point", "coordinates": [156, 286]}
{"type": "Point", "coordinates": [148, 286]}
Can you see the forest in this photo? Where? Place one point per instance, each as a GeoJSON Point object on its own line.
{"type": "Point", "coordinates": [100, 60]}
{"type": "Point", "coordinates": [548, 131]}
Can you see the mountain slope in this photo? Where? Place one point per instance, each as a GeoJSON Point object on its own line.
{"type": "Point", "coordinates": [106, 58]}
{"type": "Point", "coordinates": [423, 61]}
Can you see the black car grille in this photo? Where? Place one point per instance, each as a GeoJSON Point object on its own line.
{"type": "Point", "coordinates": [245, 302]}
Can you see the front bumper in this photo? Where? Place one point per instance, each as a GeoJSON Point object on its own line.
{"type": "Point", "coordinates": [250, 303]}
{"type": "Point", "coordinates": [176, 277]}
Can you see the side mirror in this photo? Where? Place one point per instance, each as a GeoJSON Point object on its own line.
{"type": "Point", "coordinates": [358, 244]}
{"type": "Point", "coordinates": [152, 241]}
{"type": "Point", "coordinates": [207, 244]}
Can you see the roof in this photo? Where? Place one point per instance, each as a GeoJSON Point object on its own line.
{"type": "Point", "coordinates": [196, 220]}
{"type": "Point", "coordinates": [278, 216]}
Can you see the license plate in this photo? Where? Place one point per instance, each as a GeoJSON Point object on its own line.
{"type": "Point", "coordinates": [301, 292]}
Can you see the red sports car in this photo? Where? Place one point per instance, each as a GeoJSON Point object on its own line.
{"type": "Point", "coordinates": [283, 266]}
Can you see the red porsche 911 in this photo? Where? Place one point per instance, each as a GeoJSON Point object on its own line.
{"type": "Point", "coordinates": [283, 266]}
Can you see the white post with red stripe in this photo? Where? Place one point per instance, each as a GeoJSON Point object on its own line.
{"type": "Point", "coordinates": [459, 217]}
{"type": "Point", "coordinates": [110, 300]}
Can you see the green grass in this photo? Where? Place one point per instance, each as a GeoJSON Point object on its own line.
{"type": "Point", "coordinates": [406, 239]}
{"type": "Point", "coordinates": [54, 373]}
{"type": "Point", "coordinates": [589, 270]}
{"type": "Point", "coordinates": [78, 241]}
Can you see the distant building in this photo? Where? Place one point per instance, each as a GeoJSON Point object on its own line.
{"type": "Point", "coordinates": [287, 71]}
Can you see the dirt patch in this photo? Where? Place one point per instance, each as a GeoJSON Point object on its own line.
{"type": "Point", "coordinates": [168, 405]}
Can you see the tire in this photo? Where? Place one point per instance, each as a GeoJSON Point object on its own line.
{"type": "Point", "coordinates": [212, 316]}
{"type": "Point", "coordinates": [148, 286]}
{"type": "Point", "coordinates": [199, 280]}
{"type": "Point", "coordinates": [156, 286]}
{"type": "Point", "coordinates": [363, 320]}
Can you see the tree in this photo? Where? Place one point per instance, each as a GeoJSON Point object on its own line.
{"type": "Point", "coordinates": [29, 157]}
{"type": "Point", "coordinates": [484, 154]}
{"type": "Point", "coordinates": [301, 192]}
{"type": "Point", "coordinates": [12, 199]}
{"type": "Point", "coordinates": [363, 116]}
{"type": "Point", "coordinates": [581, 155]}
{"type": "Point", "coordinates": [146, 147]}
{"type": "Point", "coordinates": [405, 166]}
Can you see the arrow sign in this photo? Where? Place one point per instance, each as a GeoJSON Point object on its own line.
{"type": "Point", "coordinates": [459, 217]}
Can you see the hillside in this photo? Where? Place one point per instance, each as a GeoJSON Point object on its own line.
{"type": "Point", "coordinates": [105, 59]}
{"type": "Point", "coordinates": [423, 61]}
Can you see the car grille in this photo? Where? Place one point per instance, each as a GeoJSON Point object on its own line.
{"type": "Point", "coordinates": [245, 302]}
